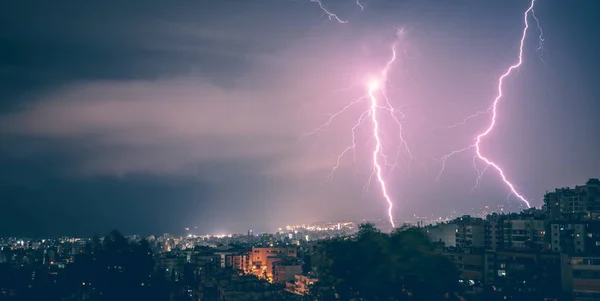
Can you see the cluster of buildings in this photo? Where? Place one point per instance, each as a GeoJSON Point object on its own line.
{"type": "Point", "coordinates": [231, 267]}
{"type": "Point", "coordinates": [228, 273]}
{"type": "Point", "coordinates": [554, 251]}
{"type": "Point", "coordinates": [238, 267]}
{"type": "Point", "coordinates": [53, 252]}
{"type": "Point", "coordinates": [322, 226]}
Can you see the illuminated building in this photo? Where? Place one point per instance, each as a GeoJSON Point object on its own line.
{"type": "Point", "coordinates": [575, 236]}
{"type": "Point", "coordinates": [526, 230]}
{"type": "Point", "coordinates": [524, 234]}
{"type": "Point", "coordinates": [513, 273]}
{"type": "Point", "coordinates": [262, 259]}
{"type": "Point", "coordinates": [471, 269]}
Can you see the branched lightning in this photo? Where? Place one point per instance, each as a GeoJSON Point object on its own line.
{"type": "Point", "coordinates": [327, 12]}
{"type": "Point", "coordinates": [362, 7]}
{"type": "Point", "coordinates": [541, 39]}
{"type": "Point", "coordinates": [333, 16]}
{"type": "Point", "coordinates": [493, 109]}
{"type": "Point", "coordinates": [479, 173]}
{"type": "Point", "coordinates": [474, 115]}
{"type": "Point", "coordinates": [378, 102]}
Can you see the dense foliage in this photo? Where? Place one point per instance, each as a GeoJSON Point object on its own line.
{"type": "Point", "coordinates": [114, 270]}
{"type": "Point", "coordinates": [109, 269]}
{"type": "Point", "coordinates": [379, 266]}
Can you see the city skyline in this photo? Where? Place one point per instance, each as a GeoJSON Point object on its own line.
{"type": "Point", "coordinates": [152, 118]}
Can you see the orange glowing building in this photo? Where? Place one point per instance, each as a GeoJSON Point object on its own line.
{"type": "Point", "coordinates": [262, 259]}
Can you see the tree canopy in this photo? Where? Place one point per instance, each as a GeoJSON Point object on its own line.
{"type": "Point", "coordinates": [403, 265]}
{"type": "Point", "coordinates": [114, 269]}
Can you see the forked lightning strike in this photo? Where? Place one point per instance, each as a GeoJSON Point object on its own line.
{"type": "Point", "coordinates": [378, 102]}
{"type": "Point", "coordinates": [492, 109]}
{"type": "Point", "coordinates": [375, 89]}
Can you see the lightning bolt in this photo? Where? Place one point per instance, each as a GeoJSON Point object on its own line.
{"type": "Point", "coordinates": [374, 87]}
{"type": "Point", "coordinates": [493, 109]}
{"type": "Point", "coordinates": [541, 39]}
{"type": "Point", "coordinates": [362, 7]}
{"type": "Point", "coordinates": [327, 12]}
{"type": "Point", "coordinates": [333, 16]}
{"type": "Point", "coordinates": [378, 102]}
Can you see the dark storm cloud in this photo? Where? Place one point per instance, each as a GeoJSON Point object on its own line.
{"type": "Point", "coordinates": [153, 116]}
{"type": "Point", "coordinates": [46, 45]}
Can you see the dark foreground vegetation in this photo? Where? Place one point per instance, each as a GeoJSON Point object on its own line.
{"type": "Point", "coordinates": [373, 265]}
{"type": "Point", "coordinates": [112, 270]}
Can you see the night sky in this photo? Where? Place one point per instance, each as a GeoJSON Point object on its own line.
{"type": "Point", "coordinates": [152, 116]}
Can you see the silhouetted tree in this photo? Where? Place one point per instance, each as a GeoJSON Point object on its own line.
{"type": "Point", "coordinates": [114, 270]}
{"type": "Point", "coordinates": [307, 266]}
{"type": "Point", "coordinates": [378, 266]}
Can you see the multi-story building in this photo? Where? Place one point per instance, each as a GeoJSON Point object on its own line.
{"type": "Point", "coordinates": [229, 256]}
{"type": "Point", "coordinates": [285, 270]}
{"type": "Point", "coordinates": [262, 259]}
{"type": "Point", "coordinates": [575, 237]}
{"type": "Point", "coordinates": [523, 272]}
{"type": "Point", "coordinates": [172, 266]}
{"type": "Point", "coordinates": [301, 285]}
{"type": "Point", "coordinates": [534, 254]}
{"type": "Point", "coordinates": [498, 232]}
{"type": "Point", "coordinates": [581, 202]}
{"type": "Point", "coordinates": [494, 232]}
{"type": "Point", "coordinates": [524, 234]}
{"type": "Point", "coordinates": [471, 269]}
{"type": "Point", "coordinates": [581, 276]}
{"type": "Point", "coordinates": [240, 261]}
{"type": "Point", "coordinates": [443, 233]}
{"type": "Point", "coordinates": [204, 264]}
{"type": "Point", "coordinates": [260, 254]}
{"type": "Point", "coordinates": [517, 231]}
{"type": "Point", "coordinates": [470, 232]}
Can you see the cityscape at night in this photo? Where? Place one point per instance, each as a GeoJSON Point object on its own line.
{"type": "Point", "coordinates": [322, 150]}
{"type": "Point", "coordinates": [491, 252]}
